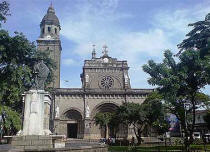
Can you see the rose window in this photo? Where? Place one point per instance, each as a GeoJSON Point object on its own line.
{"type": "Point", "coordinates": [107, 82]}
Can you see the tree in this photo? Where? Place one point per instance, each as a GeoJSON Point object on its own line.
{"type": "Point", "coordinates": [114, 124]}
{"type": "Point", "coordinates": [4, 11]}
{"type": "Point", "coordinates": [152, 107]}
{"type": "Point", "coordinates": [155, 113]}
{"type": "Point", "coordinates": [103, 119]}
{"type": "Point", "coordinates": [10, 121]}
{"type": "Point", "coordinates": [17, 58]}
{"type": "Point", "coordinates": [179, 83]}
{"type": "Point", "coordinates": [132, 114]}
{"type": "Point", "coordinates": [198, 37]}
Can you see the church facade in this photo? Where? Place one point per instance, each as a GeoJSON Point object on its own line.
{"type": "Point", "coordinates": [105, 86]}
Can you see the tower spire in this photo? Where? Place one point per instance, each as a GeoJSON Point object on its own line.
{"type": "Point", "coordinates": [94, 52]}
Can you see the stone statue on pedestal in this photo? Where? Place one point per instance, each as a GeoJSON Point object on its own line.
{"type": "Point", "coordinates": [57, 112]}
{"type": "Point", "coordinates": [41, 72]}
{"type": "Point", "coordinates": [87, 111]}
{"type": "Point", "coordinates": [126, 78]}
{"type": "Point", "coordinates": [87, 78]}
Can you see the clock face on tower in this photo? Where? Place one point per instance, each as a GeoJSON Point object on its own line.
{"type": "Point", "coordinates": [105, 60]}
{"type": "Point", "coordinates": [107, 82]}
{"type": "Point", "coordinates": [48, 37]}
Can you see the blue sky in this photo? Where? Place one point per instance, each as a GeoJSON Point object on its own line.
{"type": "Point", "coordinates": [133, 30]}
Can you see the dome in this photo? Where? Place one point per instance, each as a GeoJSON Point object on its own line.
{"type": "Point", "coordinates": [50, 18]}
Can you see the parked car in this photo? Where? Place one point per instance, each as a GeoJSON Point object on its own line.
{"type": "Point", "coordinates": [196, 135]}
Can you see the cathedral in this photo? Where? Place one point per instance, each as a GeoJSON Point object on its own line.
{"type": "Point", "coordinates": [105, 86]}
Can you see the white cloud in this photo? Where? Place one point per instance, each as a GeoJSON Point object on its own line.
{"type": "Point", "coordinates": [94, 25]}
{"type": "Point", "coordinates": [175, 23]}
{"type": "Point", "coordinates": [68, 62]}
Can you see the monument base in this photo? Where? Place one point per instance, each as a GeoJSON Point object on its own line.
{"type": "Point", "coordinates": [36, 142]}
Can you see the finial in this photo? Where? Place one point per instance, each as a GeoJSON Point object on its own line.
{"type": "Point", "coordinates": [51, 9]}
{"type": "Point", "coordinates": [94, 52]}
{"type": "Point", "coordinates": [94, 47]}
{"type": "Point", "coordinates": [105, 51]}
{"type": "Point", "coordinates": [51, 4]}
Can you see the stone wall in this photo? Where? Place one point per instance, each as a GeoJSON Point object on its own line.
{"type": "Point", "coordinates": [32, 142]}
{"type": "Point", "coordinates": [70, 100]}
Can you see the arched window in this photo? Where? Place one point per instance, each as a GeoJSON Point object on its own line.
{"type": "Point", "coordinates": [55, 30]}
{"type": "Point", "coordinates": [42, 30]}
{"type": "Point", "coordinates": [49, 29]}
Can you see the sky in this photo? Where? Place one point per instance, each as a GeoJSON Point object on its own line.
{"type": "Point", "coordinates": [133, 30]}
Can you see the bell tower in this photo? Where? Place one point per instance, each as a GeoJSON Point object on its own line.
{"type": "Point", "coordinates": [49, 40]}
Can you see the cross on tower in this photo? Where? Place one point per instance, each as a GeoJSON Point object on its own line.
{"type": "Point", "coordinates": [94, 52]}
{"type": "Point", "coordinates": [105, 51]}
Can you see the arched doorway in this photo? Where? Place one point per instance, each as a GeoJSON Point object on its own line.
{"type": "Point", "coordinates": [74, 123]}
{"type": "Point", "coordinates": [120, 132]}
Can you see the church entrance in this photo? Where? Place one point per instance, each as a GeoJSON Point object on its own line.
{"type": "Point", "coordinates": [72, 130]}
{"type": "Point", "coordinates": [74, 126]}
{"type": "Point", "coordinates": [115, 132]}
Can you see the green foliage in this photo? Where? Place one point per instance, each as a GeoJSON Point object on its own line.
{"type": "Point", "coordinates": [157, 148]}
{"type": "Point", "coordinates": [17, 58]}
{"type": "Point", "coordinates": [198, 37]}
{"type": "Point", "coordinates": [153, 108]}
{"type": "Point", "coordinates": [146, 115]}
{"type": "Point", "coordinates": [179, 84]}
{"type": "Point", "coordinates": [155, 113]}
{"type": "Point", "coordinates": [4, 9]}
{"type": "Point", "coordinates": [154, 96]}
{"type": "Point", "coordinates": [161, 126]}
{"type": "Point", "coordinates": [12, 120]}
{"type": "Point", "coordinates": [131, 114]}
{"type": "Point", "coordinates": [107, 119]}
{"type": "Point", "coordinates": [103, 119]}
{"type": "Point", "coordinates": [202, 98]}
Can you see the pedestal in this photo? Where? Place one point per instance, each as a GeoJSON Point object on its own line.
{"type": "Point", "coordinates": [36, 113]}
{"type": "Point", "coordinates": [32, 142]}
{"type": "Point", "coordinates": [36, 133]}
{"type": "Point", "coordinates": [87, 128]}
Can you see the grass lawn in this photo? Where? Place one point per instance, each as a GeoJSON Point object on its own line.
{"type": "Point", "coordinates": [155, 148]}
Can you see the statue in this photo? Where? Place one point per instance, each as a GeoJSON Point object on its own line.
{"type": "Point", "coordinates": [57, 112]}
{"type": "Point", "coordinates": [41, 72]}
{"type": "Point", "coordinates": [87, 111]}
{"type": "Point", "coordinates": [87, 78]}
{"type": "Point", "coordinates": [126, 78]}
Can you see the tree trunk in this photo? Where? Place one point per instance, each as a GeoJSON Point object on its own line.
{"type": "Point", "coordinates": [106, 132]}
{"type": "Point", "coordinates": [138, 136]}
{"type": "Point", "coordinates": [190, 129]}
{"type": "Point", "coordinates": [187, 146]}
